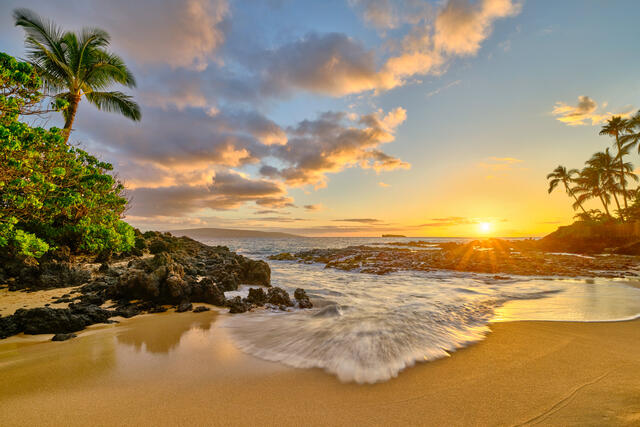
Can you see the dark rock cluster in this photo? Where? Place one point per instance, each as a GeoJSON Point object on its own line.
{"type": "Point", "coordinates": [493, 256]}
{"type": "Point", "coordinates": [168, 271]}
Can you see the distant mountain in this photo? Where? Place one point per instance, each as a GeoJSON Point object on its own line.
{"type": "Point", "coordinates": [222, 233]}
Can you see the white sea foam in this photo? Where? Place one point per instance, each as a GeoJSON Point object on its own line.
{"type": "Point", "coordinates": [367, 328]}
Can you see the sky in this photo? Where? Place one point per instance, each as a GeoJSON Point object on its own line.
{"type": "Point", "coordinates": [354, 117]}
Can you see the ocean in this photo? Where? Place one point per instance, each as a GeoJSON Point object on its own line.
{"type": "Point", "coordinates": [367, 328]}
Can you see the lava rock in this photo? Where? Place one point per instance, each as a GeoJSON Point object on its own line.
{"type": "Point", "coordinates": [255, 273]}
{"type": "Point", "coordinates": [185, 306]}
{"type": "Point", "coordinates": [238, 305]}
{"type": "Point", "coordinates": [128, 311]}
{"type": "Point", "coordinates": [257, 296]}
{"type": "Point", "coordinates": [63, 337]}
{"type": "Point", "coordinates": [200, 309]}
{"type": "Point", "coordinates": [302, 298]}
{"type": "Point", "coordinates": [278, 296]}
{"type": "Point", "coordinates": [207, 291]}
{"type": "Point", "coordinates": [45, 320]}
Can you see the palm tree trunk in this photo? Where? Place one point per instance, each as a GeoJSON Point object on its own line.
{"type": "Point", "coordinates": [71, 115]}
{"type": "Point", "coordinates": [606, 207]}
{"type": "Point", "coordinates": [576, 199]}
{"type": "Point", "coordinates": [617, 204]}
{"type": "Point", "coordinates": [624, 190]}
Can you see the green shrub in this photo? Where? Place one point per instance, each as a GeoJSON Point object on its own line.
{"type": "Point", "coordinates": [52, 194]}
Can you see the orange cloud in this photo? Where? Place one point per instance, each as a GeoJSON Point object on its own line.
{"type": "Point", "coordinates": [585, 111]}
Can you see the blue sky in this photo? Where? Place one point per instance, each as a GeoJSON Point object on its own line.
{"type": "Point", "coordinates": [233, 96]}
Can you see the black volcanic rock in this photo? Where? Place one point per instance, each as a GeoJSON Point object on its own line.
{"type": "Point", "coordinates": [302, 298]}
{"type": "Point", "coordinates": [182, 271]}
{"type": "Point", "coordinates": [238, 305]}
{"type": "Point", "coordinates": [63, 337]}
{"type": "Point", "coordinates": [278, 296]}
{"type": "Point", "coordinates": [257, 296]}
{"type": "Point", "coordinates": [185, 306]}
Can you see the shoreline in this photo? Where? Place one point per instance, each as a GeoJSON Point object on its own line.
{"type": "Point", "coordinates": [182, 367]}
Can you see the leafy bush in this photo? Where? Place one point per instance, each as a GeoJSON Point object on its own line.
{"type": "Point", "coordinates": [51, 194]}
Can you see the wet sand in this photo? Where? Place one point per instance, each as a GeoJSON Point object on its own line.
{"type": "Point", "coordinates": [170, 368]}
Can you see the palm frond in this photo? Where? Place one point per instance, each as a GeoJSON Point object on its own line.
{"type": "Point", "coordinates": [115, 102]}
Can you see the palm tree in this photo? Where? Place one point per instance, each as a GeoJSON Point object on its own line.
{"type": "Point", "coordinates": [73, 65]}
{"type": "Point", "coordinates": [564, 176]}
{"type": "Point", "coordinates": [605, 165]}
{"type": "Point", "coordinates": [616, 126]}
{"type": "Point", "coordinates": [591, 185]}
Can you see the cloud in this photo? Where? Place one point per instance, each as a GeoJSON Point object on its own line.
{"type": "Point", "coordinates": [316, 207]}
{"type": "Point", "coordinates": [456, 29]}
{"type": "Point", "coordinates": [180, 34]}
{"type": "Point", "coordinates": [461, 26]}
{"type": "Point", "coordinates": [445, 87]}
{"type": "Point", "coordinates": [384, 185]}
{"type": "Point", "coordinates": [585, 111]}
{"type": "Point", "coordinates": [333, 142]}
{"type": "Point", "coordinates": [266, 212]}
{"type": "Point", "coordinates": [390, 14]}
{"type": "Point", "coordinates": [278, 219]}
{"type": "Point", "coordinates": [362, 220]}
{"type": "Point", "coordinates": [227, 190]}
{"type": "Point", "coordinates": [333, 64]}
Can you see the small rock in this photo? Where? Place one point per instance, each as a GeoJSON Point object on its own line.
{"type": "Point", "coordinates": [63, 337]}
{"type": "Point", "coordinates": [200, 309]}
{"type": "Point", "coordinates": [185, 306]}
{"type": "Point", "coordinates": [237, 305]}
{"type": "Point", "coordinates": [257, 296]}
{"type": "Point", "coordinates": [302, 298]}
{"type": "Point", "coordinates": [278, 296]}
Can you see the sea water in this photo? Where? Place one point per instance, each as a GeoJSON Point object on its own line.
{"type": "Point", "coordinates": [367, 328]}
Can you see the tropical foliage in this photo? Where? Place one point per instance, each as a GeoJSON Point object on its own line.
{"type": "Point", "coordinates": [605, 177]}
{"type": "Point", "coordinates": [51, 194]}
{"type": "Point", "coordinates": [76, 65]}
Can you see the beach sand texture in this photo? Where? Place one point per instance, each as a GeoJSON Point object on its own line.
{"type": "Point", "coordinates": [182, 369]}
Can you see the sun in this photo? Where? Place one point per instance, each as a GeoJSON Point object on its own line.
{"type": "Point", "coordinates": [484, 227]}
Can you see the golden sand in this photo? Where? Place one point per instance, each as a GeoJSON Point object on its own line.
{"type": "Point", "coordinates": [10, 301]}
{"type": "Point", "coordinates": [181, 369]}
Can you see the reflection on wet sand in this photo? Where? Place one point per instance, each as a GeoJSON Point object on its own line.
{"type": "Point", "coordinates": [162, 333]}
{"type": "Point", "coordinates": [163, 348]}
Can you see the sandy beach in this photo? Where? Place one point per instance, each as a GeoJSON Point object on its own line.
{"type": "Point", "coordinates": [182, 369]}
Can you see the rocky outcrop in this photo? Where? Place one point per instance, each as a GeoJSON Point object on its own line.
{"type": "Point", "coordinates": [591, 237]}
{"type": "Point", "coordinates": [302, 298]}
{"type": "Point", "coordinates": [46, 320]}
{"type": "Point", "coordinates": [278, 297]}
{"type": "Point", "coordinates": [257, 296]}
{"type": "Point", "coordinates": [492, 256]}
{"type": "Point", "coordinates": [63, 337]}
{"type": "Point", "coordinates": [173, 272]}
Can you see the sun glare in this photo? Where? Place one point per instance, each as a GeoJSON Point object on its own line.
{"type": "Point", "coordinates": [484, 227]}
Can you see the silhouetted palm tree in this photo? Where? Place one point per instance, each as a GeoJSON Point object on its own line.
{"type": "Point", "coordinates": [564, 176]}
{"type": "Point", "coordinates": [590, 185]}
{"type": "Point", "coordinates": [73, 65]}
{"type": "Point", "coordinates": [605, 165]}
{"type": "Point", "coordinates": [616, 126]}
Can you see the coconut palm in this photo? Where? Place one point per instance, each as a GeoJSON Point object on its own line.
{"type": "Point", "coordinates": [606, 166]}
{"type": "Point", "coordinates": [591, 185]}
{"type": "Point", "coordinates": [566, 177]}
{"type": "Point", "coordinates": [73, 65]}
{"type": "Point", "coordinates": [617, 126]}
